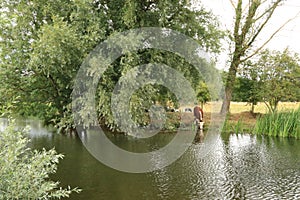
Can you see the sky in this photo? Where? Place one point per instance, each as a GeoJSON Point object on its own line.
{"type": "Point", "coordinates": [289, 36]}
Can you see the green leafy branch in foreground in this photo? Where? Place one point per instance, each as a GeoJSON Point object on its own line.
{"type": "Point", "coordinates": [24, 173]}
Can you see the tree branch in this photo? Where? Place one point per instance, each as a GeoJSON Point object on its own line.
{"type": "Point", "coordinates": [275, 5]}
{"type": "Point", "coordinates": [249, 20]}
{"type": "Point", "coordinates": [232, 3]}
{"type": "Point", "coordinates": [271, 37]}
{"type": "Point", "coordinates": [264, 13]}
{"type": "Point", "coordinates": [238, 11]}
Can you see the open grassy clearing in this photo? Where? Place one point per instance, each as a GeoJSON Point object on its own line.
{"type": "Point", "coordinates": [240, 119]}
{"type": "Point", "coordinates": [240, 107]}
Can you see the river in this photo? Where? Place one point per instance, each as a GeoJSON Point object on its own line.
{"type": "Point", "coordinates": [239, 167]}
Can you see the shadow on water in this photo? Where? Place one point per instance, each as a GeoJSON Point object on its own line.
{"type": "Point", "coordinates": [237, 167]}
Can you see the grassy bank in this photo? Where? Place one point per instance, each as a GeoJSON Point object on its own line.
{"type": "Point", "coordinates": [282, 124]}
{"type": "Point", "coordinates": [240, 120]}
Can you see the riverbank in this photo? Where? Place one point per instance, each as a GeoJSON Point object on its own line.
{"type": "Point", "coordinates": [240, 119]}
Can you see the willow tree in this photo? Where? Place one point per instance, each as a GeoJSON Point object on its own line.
{"type": "Point", "coordinates": [251, 17]}
{"type": "Point", "coordinates": [43, 44]}
{"type": "Point", "coordinates": [173, 14]}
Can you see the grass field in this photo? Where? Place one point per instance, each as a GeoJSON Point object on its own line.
{"type": "Point", "coordinates": [240, 119]}
{"type": "Point", "coordinates": [240, 107]}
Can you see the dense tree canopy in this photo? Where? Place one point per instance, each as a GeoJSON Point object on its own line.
{"type": "Point", "coordinates": [272, 78]}
{"type": "Point", "coordinates": [279, 74]}
{"type": "Point", "coordinates": [43, 44]}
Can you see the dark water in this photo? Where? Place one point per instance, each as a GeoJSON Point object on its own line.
{"type": "Point", "coordinates": [239, 167]}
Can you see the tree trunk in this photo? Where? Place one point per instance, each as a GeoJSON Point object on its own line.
{"type": "Point", "coordinates": [230, 81]}
{"type": "Point", "coordinates": [252, 108]}
{"type": "Point", "coordinates": [227, 100]}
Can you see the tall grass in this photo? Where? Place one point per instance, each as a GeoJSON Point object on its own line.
{"type": "Point", "coordinates": [282, 124]}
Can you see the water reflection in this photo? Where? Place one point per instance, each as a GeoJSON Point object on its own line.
{"type": "Point", "coordinates": [237, 167]}
{"type": "Point", "coordinates": [35, 127]}
{"type": "Point", "coordinates": [199, 137]}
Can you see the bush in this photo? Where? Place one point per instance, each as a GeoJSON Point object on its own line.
{"type": "Point", "coordinates": [24, 173]}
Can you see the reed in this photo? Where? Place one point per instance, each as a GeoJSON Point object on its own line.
{"type": "Point", "coordinates": [281, 124]}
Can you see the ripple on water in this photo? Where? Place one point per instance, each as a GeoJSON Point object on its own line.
{"type": "Point", "coordinates": [247, 169]}
{"type": "Point", "coordinates": [238, 167]}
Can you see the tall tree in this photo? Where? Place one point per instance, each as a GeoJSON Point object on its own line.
{"type": "Point", "coordinates": [273, 77]}
{"type": "Point", "coordinates": [198, 24]}
{"type": "Point", "coordinates": [42, 46]}
{"type": "Point", "coordinates": [43, 43]}
{"type": "Point", "coordinates": [251, 17]}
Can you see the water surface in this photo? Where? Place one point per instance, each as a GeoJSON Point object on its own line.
{"type": "Point", "coordinates": [238, 167]}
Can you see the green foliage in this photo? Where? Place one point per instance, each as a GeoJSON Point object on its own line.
{"type": "Point", "coordinates": [150, 94]}
{"type": "Point", "coordinates": [43, 44]}
{"type": "Point", "coordinates": [248, 86]}
{"type": "Point", "coordinates": [272, 78]}
{"type": "Point", "coordinates": [203, 94]}
{"type": "Point", "coordinates": [279, 75]}
{"type": "Point", "coordinates": [243, 90]}
{"type": "Point", "coordinates": [24, 173]}
{"type": "Point", "coordinates": [234, 127]}
{"type": "Point", "coordinates": [281, 124]}
{"type": "Point", "coordinates": [162, 14]}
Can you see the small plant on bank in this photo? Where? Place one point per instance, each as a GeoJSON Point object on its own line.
{"type": "Point", "coordinates": [24, 173]}
{"type": "Point", "coordinates": [234, 127]}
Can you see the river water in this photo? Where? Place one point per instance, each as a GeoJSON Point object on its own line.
{"type": "Point", "coordinates": [239, 167]}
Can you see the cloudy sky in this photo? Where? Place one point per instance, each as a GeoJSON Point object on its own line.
{"type": "Point", "coordinates": [289, 36]}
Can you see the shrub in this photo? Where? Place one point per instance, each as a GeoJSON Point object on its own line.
{"type": "Point", "coordinates": [24, 173]}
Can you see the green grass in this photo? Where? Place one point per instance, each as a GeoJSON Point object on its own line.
{"type": "Point", "coordinates": [234, 127]}
{"type": "Point", "coordinates": [281, 124]}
